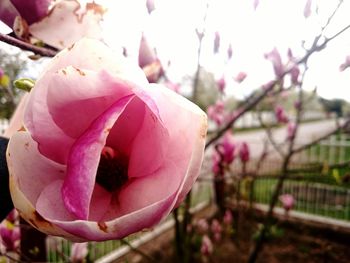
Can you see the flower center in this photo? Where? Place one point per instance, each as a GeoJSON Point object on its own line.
{"type": "Point", "coordinates": [112, 172]}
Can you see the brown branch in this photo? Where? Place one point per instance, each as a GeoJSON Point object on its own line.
{"type": "Point", "coordinates": [26, 46]}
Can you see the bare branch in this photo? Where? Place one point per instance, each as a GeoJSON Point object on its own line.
{"type": "Point", "coordinates": [26, 46]}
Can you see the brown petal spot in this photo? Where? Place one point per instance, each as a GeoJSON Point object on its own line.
{"type": "Point", "coordinates": [102, 226]}
{"type": "Point", "coordinates": [37, 220]}
{"type": "Point", "coordinates": [22, 129]}
{"type": "Point", "coordinates": [81, 73]}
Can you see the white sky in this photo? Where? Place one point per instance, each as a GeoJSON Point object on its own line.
{"type": "Point", "coordinates": [275, 23]}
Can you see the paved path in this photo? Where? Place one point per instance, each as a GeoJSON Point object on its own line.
{"type": "Point", "coordinates": [306, 133]}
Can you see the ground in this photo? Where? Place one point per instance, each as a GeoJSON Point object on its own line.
{"type": "Point", "coordinates": [291, 243]}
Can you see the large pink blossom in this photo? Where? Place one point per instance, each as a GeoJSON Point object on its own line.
{"type": "Point", "coordinates": [57, 23]}
{"type": "Point", "coordinates": [102, 153]}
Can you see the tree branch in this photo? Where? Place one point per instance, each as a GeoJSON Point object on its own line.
{"type": "Point", "coordinates": [26, 46]}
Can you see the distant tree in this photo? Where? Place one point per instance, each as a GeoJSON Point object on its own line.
{"type": "Point", "coordinates": [12, 63]}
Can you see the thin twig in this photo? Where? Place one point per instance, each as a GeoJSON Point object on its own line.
{"type": "Point", "coordinates": [138, 251]}
{"type": "Point", "coordinates": [26, 46]}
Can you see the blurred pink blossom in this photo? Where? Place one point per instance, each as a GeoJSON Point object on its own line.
{"type": "Point", "coordinates": [207, 246]}
{"type": "Point", "coordinates": [10, 236]}
{"type": "Point", "coordinates": [346, 64]}
{"type": "Point", "coordinates": [150, 6]}
{"type": "Point", "coordinates": [290, 130]}
{"type": "Point", "coordinates": [307, 8]}
{"type": "Point", "coordinates": [244, 153]}
{"type": "Point", "coordinates": [216, 229]}
{"type": "Point", "coordinates": [229, 51]}
{"type": "Point", "coordinates": [173, 86]}
{"type": "Point", "coordinates": [275, 57]}
{"type": "Point", "coordinates": [287, 201]}
{"type": "Point", "coordinates": [79, 251]}
{"type": "Point", "coordinates": [221, 84]}
{"type": "Point", "coordinates": [202, 226]}
{"type": "Point", "coordinates": [281, 114]}
{"type": "Point", "coordinates": [228, 218]}
{"type": "Point", "coordinates": [240, 77]}
{"type": "Point", "coordinates": [149, 61]}
{"type": "Point", "coordinates": [217, 113]}
{"type": "Point", "coordinates": [216, 42]}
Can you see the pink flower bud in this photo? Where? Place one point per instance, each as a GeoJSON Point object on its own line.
{"type": "Point", "coordinates": [216, 42]}
{"type": "Point", "coordinates": [280, 114]}
{"type": "Point", "coordinates": [202, 226]}
{"type": "Point", "coordinates": [345, 65]}
{"type": "Point", "coordinates": [216, 112]}
{"type": "Point", "coordinates": [275, 57]}
{"type": "Point", "coordinates": [150, 6]}
{"type": "Point", "coordinates": [227, 148]}
{"type": "Point", "coordinates": [207, 246]}
{"type": "Point", "coordinates": [290, 130]}
{"type": "Point", "coordinates": [287, 201]}
{"type": "Point", "coordinates": [149, 62]}
{"type": "Point", "coordinates": [215, 226]}
{"type": "Point", "coordinates": [307, 8]}
{"type": "Point", "coordinates": [244, 153]}
{"type": "Point", "coordinates": [240, 77]}
{"type": "Point", "coordinates": [9, 236]}
{"type": "Point", "coordinates": [79, 251]}
{"type": "Point", "coordinates": [221, 83]}
{"type": "Point", "coordinates": [229, 51]}
{"type": "Point", "coordinates": [228, 218]}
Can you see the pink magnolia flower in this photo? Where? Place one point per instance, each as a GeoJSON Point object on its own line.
{"type": "Point", "coordinates": [228, 218]}
{"type": "Point", "coordinates": [287, 201]}
{"type": "Point", "coordinates": [149, 62]}
{"type": "Point", "coordinates": [207, 246]}
{"type": "Point", "coordinates": [102, 153]}
{"type": "Point", "coordinates": [244, 153]}
{"type": "Point", "coordinates": [240, 77]}
{"type": "Point", "coordinates": [79, 251]}
{"type": "Point", "coordinates": [345, 65]}
{"type": "Point", "coordinates": [281, 114]}
{"type": "Point", "coordinates": [10, 236]}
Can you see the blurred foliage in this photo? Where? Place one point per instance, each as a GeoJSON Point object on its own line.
{"type": "Point", "coordinates": [12, 64]}
{"type": "Point", "coordinates": [338, 106]}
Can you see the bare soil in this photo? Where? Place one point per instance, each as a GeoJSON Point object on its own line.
{"type": "Point", "coordinates": [295, 243]}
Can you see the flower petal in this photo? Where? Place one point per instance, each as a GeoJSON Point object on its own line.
{"type": "Point", "coordinates": [187, 127]}
{"type": "Point", "coordinates": [149, 146]}
{"type": "Point", "coordinates": [84, 158]}
{"type": "Point", "coordinates": [73, 107]}
{"type": "Point", "coordinates": [23, 156]}
{"type": "Point", "coordinates": [98, 57]}
{"type": "Point", "coordinates": [32, 11]}
{"type": "Point", "coordinates": [8, 12]}
{"type": "Point", "coordinates": [66, 23]}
